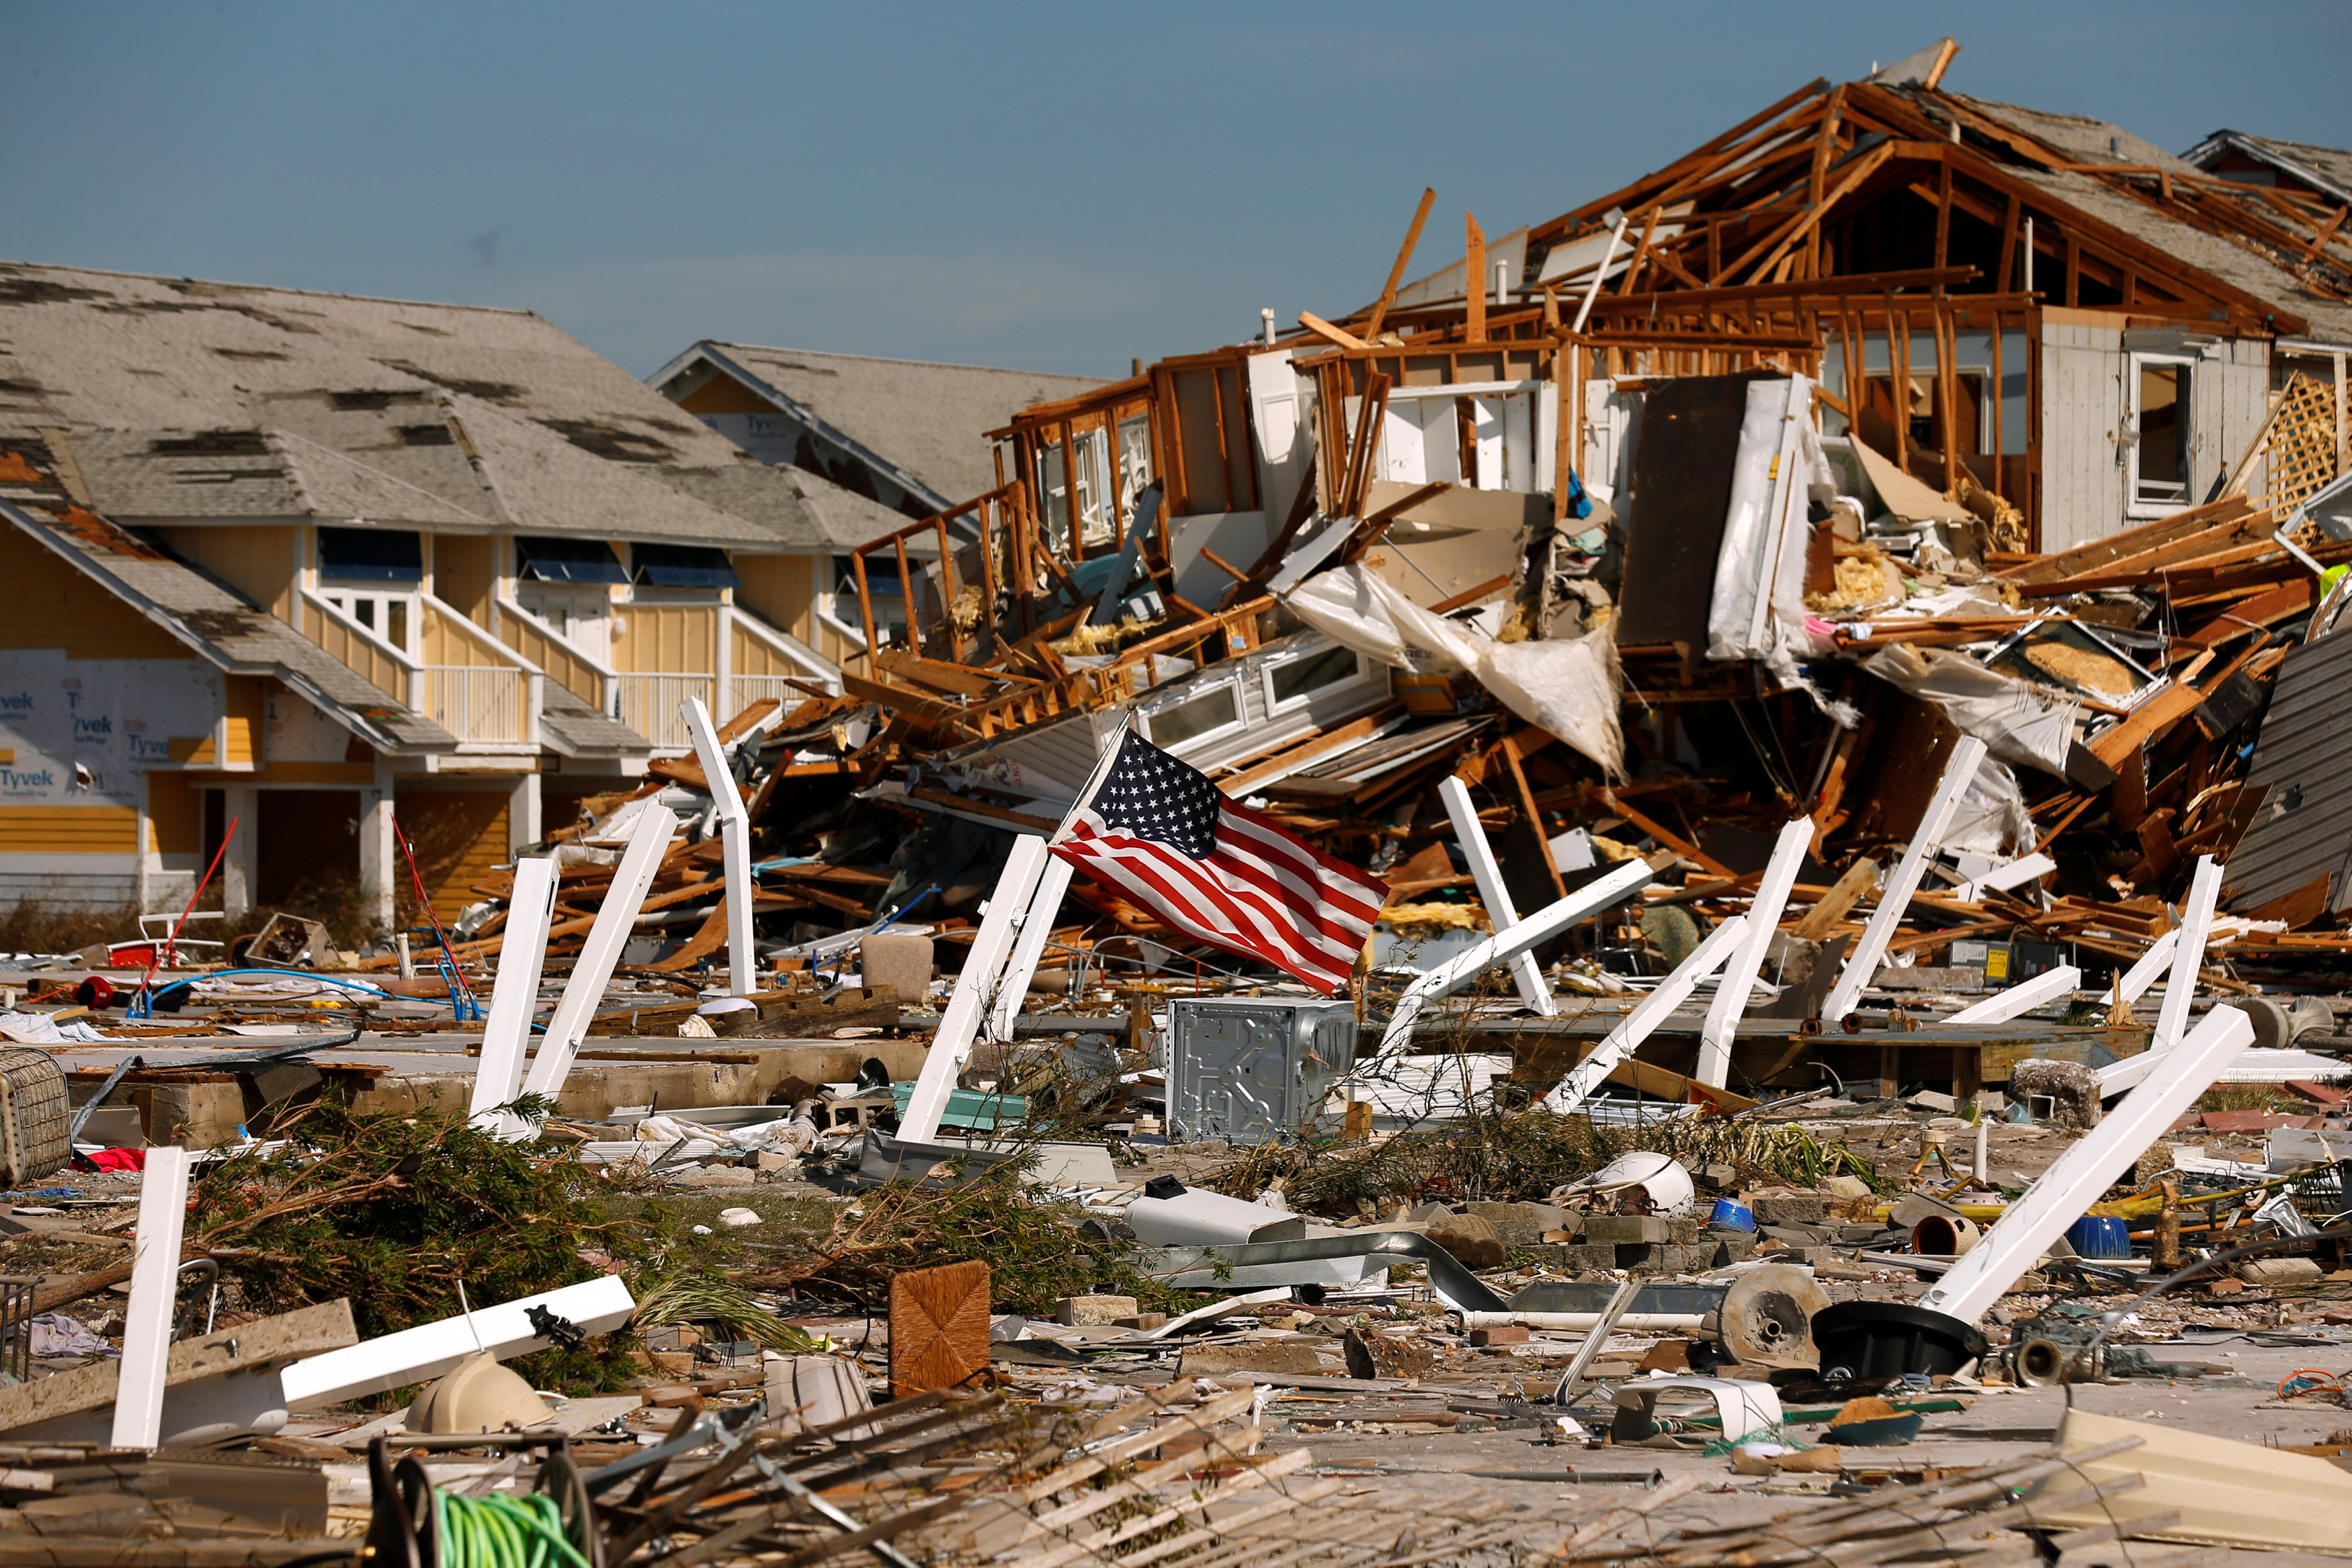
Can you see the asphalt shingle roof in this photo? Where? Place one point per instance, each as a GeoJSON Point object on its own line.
{"type": "Point", "coordinates": [926, 419]}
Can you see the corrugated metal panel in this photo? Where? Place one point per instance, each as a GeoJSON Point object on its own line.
{"type": "Point", "coordinates": [2303, 826]}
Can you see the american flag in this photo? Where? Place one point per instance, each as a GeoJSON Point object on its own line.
{"type": "Point", "coordinates": [1158, 833]}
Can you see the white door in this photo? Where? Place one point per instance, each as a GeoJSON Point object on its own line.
{"type": "Point", "coordinates": [581, 613]}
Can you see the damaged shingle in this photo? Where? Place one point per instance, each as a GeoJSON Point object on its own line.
{"type": "Point", "coordinates": [212, 444]}
{"type": "Point", "coordinates": [610, 441]}
{"type": "Point", "coordinates": [488, 392]}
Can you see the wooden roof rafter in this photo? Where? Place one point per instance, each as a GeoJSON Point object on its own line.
{"type": "Point", "coordinates": [1709, 155]}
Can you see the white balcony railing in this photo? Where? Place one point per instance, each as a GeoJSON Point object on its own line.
{"type": "Point", "coordinates": [473, 701]}
{"type": "Point", "coordinates": [817, 669]}
{"type": "Point", "coordinates": [745, 690]}
{"type": "Point", "coordinates": [650, 705]}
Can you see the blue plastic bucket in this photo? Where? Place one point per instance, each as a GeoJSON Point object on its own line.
{"type": "Point", "coordinates": [1730, 1215]}
{"type": "Point", "coordinates": [2099, 1235]}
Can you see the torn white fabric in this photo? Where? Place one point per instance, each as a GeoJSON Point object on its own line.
{"type": "Point", "coordinates": [40, 1028]}
{"type": "Point", "coordinates": [1757, 608]}
{"type": "Point", "coordinates": [2021, 721]}
{"type": "Point", "coordinates": [1567, 686]}
{"type": "Point", "coordinates": [1992, 818]}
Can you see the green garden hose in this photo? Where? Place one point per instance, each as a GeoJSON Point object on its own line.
{"type": "Point", "coordinates": [504, 1530]}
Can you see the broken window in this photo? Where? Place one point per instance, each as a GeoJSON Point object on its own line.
{"type": "Point", "coordinates": [838, 607]}
{"type": "Point", "coordinates": [1481, 434]}
{"type": "Point", "coordinates": [2158, 388]}
{"type": "Point", "coordinates": [1302, 678]}
{"type": "Point", "coordinates": [1092, 450]}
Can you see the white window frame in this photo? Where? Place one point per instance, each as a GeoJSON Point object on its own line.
{"type": "Point", "coordinates": [1308, 699]}
{"type": "Point", "coordinates": [2133, 505]}
{"type": "Point", "coordinates": [1508, 418]}
{"type": "Point", "coordinates": [1230, 685]}
{"type": "Point", "coordinates": [346, 595]}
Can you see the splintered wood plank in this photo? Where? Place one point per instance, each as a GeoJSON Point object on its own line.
{"type": "Point", "coordinates": [1844, 894]}
{"type": "Point", "coordinates": [939, 1327]}
{"type": "Point", "coordinates": [2147, 722]}
{"type": "Point", "coordinates": [707, 938]}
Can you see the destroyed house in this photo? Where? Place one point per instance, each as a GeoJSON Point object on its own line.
{"type": "Point", "coordinates": [2024, 346]}
{"type": "Point", "coordinates": [445, 564]}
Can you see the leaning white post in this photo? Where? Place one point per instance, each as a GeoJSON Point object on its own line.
{"type": "Point", "coordinates": [154, 1291]}
{"type": "Point", "coordinates": [2152, 963]}
{"type": "Point", "coordinates": [1036, 921]}
{"type": "Point", "coordinates": [1488, 875]}
{"type": "Point", "coordinates": [983, 963]}
{"type": "Point", "coordinates": [1541, 926]}
{"type": "Point", "coordinates": [2003, 1006]}
{"type": "Point", "coordinates": [1863, 968]}
{"type": "Point", "coordinates": [734, 846]}
{"type": "Point", "coordinates": [2079, 1176]}
{"type": "Point", "coordinates": [1714, 1036]}
{"type": "Point", "coordinates": [1648, 1013]}
{"type": "Point", "coordinates": [2187, 954]}
{"type": "Point", "coordinates": [531, 909]}
{"type": "Point", "coordinates": [649, 839]}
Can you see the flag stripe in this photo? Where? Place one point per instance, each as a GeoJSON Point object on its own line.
{"type": "Point", "coordinates": [1155, 830]}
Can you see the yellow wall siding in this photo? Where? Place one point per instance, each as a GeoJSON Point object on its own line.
{"type": "Point", "coordinates": [365, 658]}
{"type": "Point", "coordinates": [677, 639]}
{"type": "Point", "coordinates": [448, 641]}
{"type": "Point", "coordinates": [560, 664]}
{"type": "Point", "coordinates": [459, 838]}
{"type": "Point", "coordinates": [175, 815]}
{"type": "Point", "coordinates": [248, 705]}
{"type": "Point", "coordinates": [69, 830]}
{"type": "Point", "coordinates": [781, 589]}
{"type": "Point", "coordinates": [258, 562]}
{"type": "Point", "coordinates": [46, 602]}
{"type": "Point", "coordinates": [461, 573]}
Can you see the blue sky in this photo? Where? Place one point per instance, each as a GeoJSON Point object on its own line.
{"type": "Point", "coordinates": [1054, 187]}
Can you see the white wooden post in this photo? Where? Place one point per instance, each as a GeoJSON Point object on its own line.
{"type": "Point", "coordinates": [1863, 968]}
{"type": "Point", "coordinates": [649, 839]}
{"type": "Point", "coordinates": [1541, 926]}
{"type": "Point", "coordinates": [1488, 875]}
{"type": "Point", "coordinates": [514, 996]}
{"type": "Point", "coordinates": [154, 1291]}
{"type": "Point", "coordinates": [1648, 1013]}
{"type": "Point", "coordinates": [2074, 1181]}
{"type": "Point", "coordinates": [418, 1354]}
{"type": "Point", "coordinates": [2187, 953]}
{"type": "Point", "coordinates": [1722, 1024]}
{"type": "Point", "coordinates": [984, 964]}
{"type": "Point", "coordinates": [2152, 963]}
{"type": "Point", "coordinates": [734, 846]}
{"type": "Point", "coordinates": [2187, 940]}
{"type": "Point", "coordinates": [2003, 1006]}
{"type": "Point", "coordinates": [1036, 926]}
